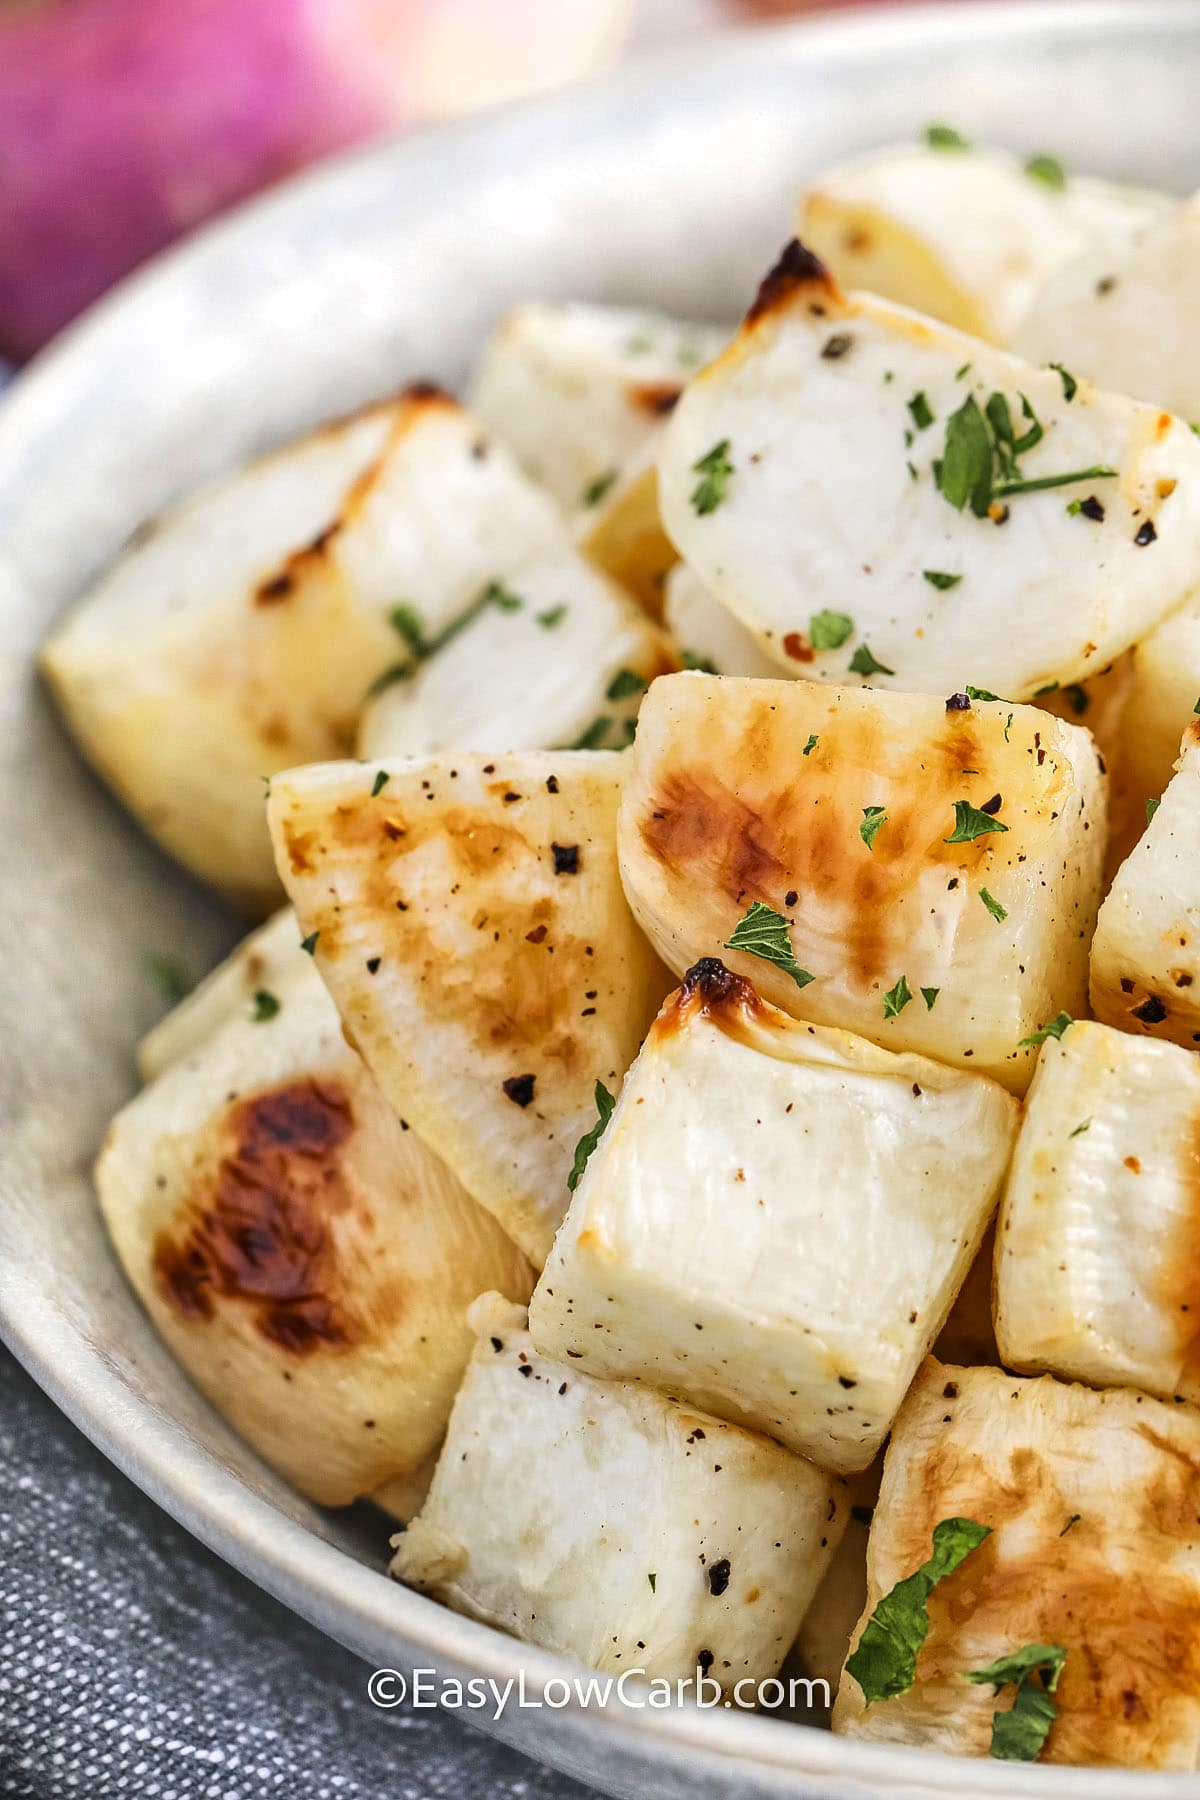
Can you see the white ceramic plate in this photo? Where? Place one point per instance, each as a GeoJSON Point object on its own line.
{"type": "Point", "coordinates": [672, 184]}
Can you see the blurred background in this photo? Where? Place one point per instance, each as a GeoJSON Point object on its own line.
{"type": "Point", "coordinates": [124, 123]}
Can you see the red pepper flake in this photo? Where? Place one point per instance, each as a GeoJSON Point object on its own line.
{"type": "Point", "coordinates": [519, 1089]}
{"type": "Point", "coordinates": [566, 858]}
{"type": "Point", "coordinates": [537, 935]}
{"type": "Point", "coordinates": [958, 703]}
{"type": "Point", "coordinates": [797, 646]}
{"type": "Point", "coordinates": [373, 963]}
{"type": "Point", "coordinates": [993, 805]}
{"type": "Point", "coordinates": [1151, 1011]}
{"type": "Point", "coordinates": [552, 784]}
{"type": "Point", "coordinates": [1146, 534]}
{"type": "Point", "coordinates": [791, 897]}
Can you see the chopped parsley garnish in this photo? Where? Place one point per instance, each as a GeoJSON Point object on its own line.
{"type": "Point", "coordinates": [829, 630]}
{"type": "Point", "coordinates": [922, 412]}
{"type": "Point", "coordinates": [1152, 807]}
{"type": "Point", "coordinates": [1050, 172]}
{"type": "Point", "coordinates": [864, 663]}
{"type": "Point", "coordinates": [624, 683]}
{"type": "Point", "coordinates": [1054, 1029]}
{"type": "Point", "coordinates": [407, 621]}
{"type": "Point", "coordinates": [653, 1580]}
{"type": "Point", "coordinates": [971, 822]}
{"type": "Point", "coordinates": [1078, 696]}
{"type": "Point", "coordinates": [496, 594]}
{"type": "Point", "coordinates": [168, 974]}
{"type": "Point", "coordinates": [944, 137]}
{"type": "Point", "coordinates": [975, 693]}
{"type": "Point", "coordinates": [764, 932]}
{"type": "Point", "coordinates": [1078, 1132]}
{"type": "Point", "coordinates": [1019, 1733]}
{"type": "Point", "coordinates": [979, 462]}
{"type": "Point", "coordinates": [962, 371]}
{"type": "Point", "coordinates": [593, 738]}
{"type": "Point", "coordinates": [716, 468]}
{"type": "Point", "coordinates": [380, 782]}
{"type": "Point", "coordinates": [873, 817]}
{"type": "Point", "coordinates": [1049, 687]}
{"type": "Point", "coordinates": [897, 998]}
{"type": "Point", "coordinates": [965, 470]}
{"type": "Point", "coordinates": [1070, 385]}
{"type": "Point", "coordinates": [309, 944]}
{"type": "Point", "coordinates": [811, 745]}
{"type": "Point", "coordinates": [938, 578]}
{"type": "Point", "coordinates": [263, 1006]}
{"type": "Point", "coordinates": [553, 615]}
{"type": "Point", "coordinates": [605, 1102]}
{"type": "Point", "coordinates": [691, 659]}
{"type": "Point", "coordinates": [1098, 472]}
{"type": "Point", "coordinates": [929, 996]}
{"type": "Point", "coordinates": [884, 1662]}
{"type": "Point", "coordinates": [595, 490]}
{"type": "Point", "coordinates": [998, 912]}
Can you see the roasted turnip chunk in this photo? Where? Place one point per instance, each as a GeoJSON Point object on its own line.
{"type": "Point", "coordinates": [776, 1220]}
{"type": "Point", "coordinates": [608, 1523]}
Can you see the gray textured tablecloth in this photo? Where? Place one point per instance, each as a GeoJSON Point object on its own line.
{"type": "Point", "coordinates": [135, 1663]}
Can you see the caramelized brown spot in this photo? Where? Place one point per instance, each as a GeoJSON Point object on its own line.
{"type": "Point", "coordinates": [796, 270]}
{"type": "Point", "coordinates": [710, 990]}
{"type": "Point", "coordinates": [1131, 1629]}
{"type": "Point", "coordinates": [257, 1230]}
{"type": "Point", "coordinates": [784, 825]}
{"type": "Point", "coordinates": [658, 398]}
{"type": "Point", "coordinates": [277, 588]}
{"type": "Point", "coordinates": [422, 392]}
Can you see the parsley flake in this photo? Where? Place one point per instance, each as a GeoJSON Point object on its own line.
{"type": "Point", "coordinates": [594, 736]}
{"type": "Point", "coordinates": [811, 745]}
{"type": "Point", "coordinates": [897, 998]}
{"type": "Point", "coordinates": [829, 630]}
{"type": "Point", "coordinates": [553, 615]}
{"type": "Point", "coordinates": [937, 578]}
{"type": "Point", "coordinates": [1050, 172]}
{"type": "Point", "coordinates": [1070, 385]}
{"type": "Point", "coordinates": [309, 944]}
{"type": "Point", "coordinates": [716, 469]}
{"type": "Point", "coordinates": [1019, 1733]}
{"type": "Point", "coordinates": [595, 490]}
{"type": "Point", "coordinates": [971, 822]}
{"type": "Point", "coordinates": [1054, 1029]}
{"type": "Point", "coordinates": [168, 974]}
{"type": "Point", "coordinates": [1152, 807]}
{"type": "Point", "coordinates": [929, 996]}
{"type": "Point", "coordinates": [653, 1580]}
{"type": "Point", "coordinates": [998, 912]}
{"type": "Point", "coordinates": [764, 932]}
{"type": "Point", "coordinates": [975, 693]}
{"type": "Point", "coordinates": [605, 1102]}
{"type": "Point", "coordinates": [922, 412]}
{"type": "Point", "coordinates": [873, 817]}
{"type": "Point", "coordinates": [884, 1662]}
{"type": "Point", "coordinates": [964, 472]}
{"type": "Point", "coordinates": [864, 663]}
{"type": "Point", "coordinates": [380, 782]}
{"type": "Point", "coordinates": [624, 683]}
{"type": "Point", "coordinates": [692, 659]}
{"type": "Point", "coordinates": [263, 1006]}
{"type": "Point", "coordinates": [944, 137]}
{"type": "Point", "coordinates": [1078, 1132]}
